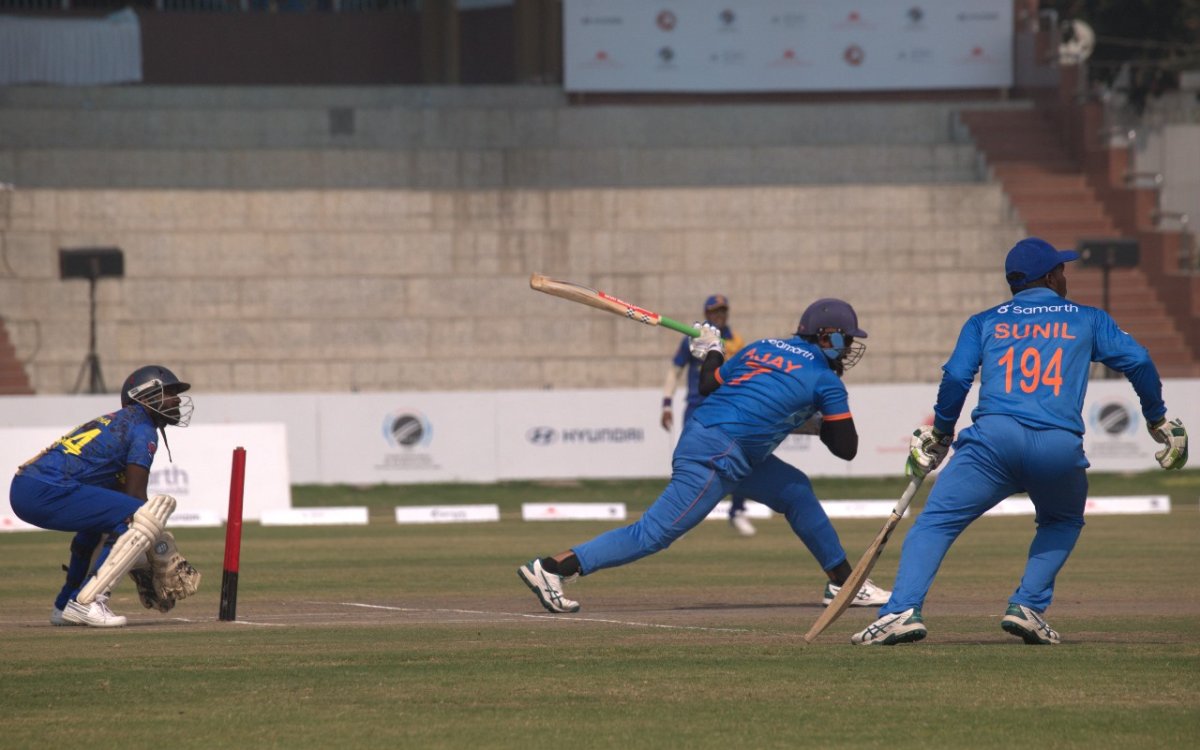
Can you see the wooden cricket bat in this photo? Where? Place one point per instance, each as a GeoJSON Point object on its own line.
{"type": "Point", "coordinates": [601, 301]}
{"type": "Point", "coordinates": [858, 576]}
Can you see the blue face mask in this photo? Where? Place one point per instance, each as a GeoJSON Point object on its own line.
{"type": "Point", "coordinates": [837, 345]}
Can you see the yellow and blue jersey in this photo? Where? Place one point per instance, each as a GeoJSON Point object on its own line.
{"type": "Point", "coordinates": [683, 358]}
{"type": "Point", "coordinates": [96, 453]}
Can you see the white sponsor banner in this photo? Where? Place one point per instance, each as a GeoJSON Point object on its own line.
{"type": "Point", "coordinates": [1133, 504]}
{"type": "Point", "coordinates": [753, 510]}
{"type": "Point", "coordinates": [447, 513]}
{"type": "Point", "coordinates": [403, 438]}
{"type": "Point", "coordinates": [858, 508]}
{"type": "Point", "coordinates": [573, 512]}
{"type": "Point", "coordinates": [352, 516]}
{"type": "Point", "coordinates": [786, 45]}
{"type": "Point", "coordinates": [601, 433]}
{"type": "Point", "coordinates": [1021, 505]}
{"type": "Point", "coordinates": [408, 437]}
{"type": "Point", "coordinates": [194, 519]}
{"type": "Point", "coordinates": [198, 477]}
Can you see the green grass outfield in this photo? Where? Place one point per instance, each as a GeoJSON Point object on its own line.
{"type": "Point", "coordinates": [422, 636]}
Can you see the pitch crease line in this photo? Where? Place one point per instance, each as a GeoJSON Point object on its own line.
{"type": "Point", "coordinates": [556, 618]}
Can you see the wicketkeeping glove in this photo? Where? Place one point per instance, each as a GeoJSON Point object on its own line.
{"type": "Point", "coordinates": [927, 448]}
{"type": "Point", "coordinates": [164, 576]}
{"type": "Point", "coordinates": [1173, 435]}
{"type": "Point", "coordinates": [709, 340]}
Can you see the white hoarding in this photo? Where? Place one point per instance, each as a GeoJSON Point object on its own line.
{"type": "Point", "coordinates": [402, 438]}
{"type": "Point", "coordinates": [782, 45]}
{"type": "Point", "coordinates": [196, 470]}
{"type": "Point", "coordinates": [568, 434]}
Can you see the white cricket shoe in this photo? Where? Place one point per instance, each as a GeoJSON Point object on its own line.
{"type": "Point", "coordinates": [741, 524]}
{"type": "Point", "coordinates": [1029, 626]}
{"type": "Point", "coordinates": [547, 586]}
{"type": "Point", "coordinates": [96, 615]}
{"type": "Point", "coordinates": [57, 619]}
{"type": "Point", "coordinates": [903, 627]}
{"type": "Point", "coordinates": [869, 595]}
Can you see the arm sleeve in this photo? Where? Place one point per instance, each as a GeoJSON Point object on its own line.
{"type": "Point", "coordinates": [1118, 350]}
{"type": "Point", "coordinates": [837, 426]}
{"type": "Point", "coordinates": [957, 376]}
{"type": "Point", "coordinates": [841, 438]}
{"type": "Point", "coordinates": [710, 379]}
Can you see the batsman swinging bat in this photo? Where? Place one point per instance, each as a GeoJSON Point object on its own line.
{"type": "Point", "coordinates": [858, 576]}
{"type": "Point", "coordinates": [601, 301]}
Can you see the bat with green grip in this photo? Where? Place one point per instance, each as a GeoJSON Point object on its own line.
{"type": "Point", "coordinates": [602, 301]}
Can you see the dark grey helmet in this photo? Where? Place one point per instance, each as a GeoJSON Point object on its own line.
{"type": "Point", "coordinates": [149, 386]}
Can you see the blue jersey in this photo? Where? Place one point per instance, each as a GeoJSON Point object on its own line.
{"type": "Point", "coordinates": [770, 388]}
{"type": "Point", "coordinates": [1035, 352]}
{"type": "Point", "coordinates": [683, 358]}
{"type": "Point", "coordinates": [97, 453]}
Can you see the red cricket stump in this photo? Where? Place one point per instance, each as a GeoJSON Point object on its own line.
{"type": "Point", "coordinates": [233, 537]}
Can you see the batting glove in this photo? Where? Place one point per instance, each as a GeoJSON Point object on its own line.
{"type": "Point", "coordinates": [927, 448]}
{"type": "Point", "coordinates": [709, 340]}
{"type": "Point", "coordinates": [1173, 435]}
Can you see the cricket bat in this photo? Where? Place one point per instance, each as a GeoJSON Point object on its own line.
{"type": "Point", "coordinates": [858, 576]}
{"type": "Point", "coordinates": [602, 301]}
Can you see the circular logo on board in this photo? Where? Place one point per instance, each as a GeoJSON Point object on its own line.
{"type": "Point", "coordinates": [407, 429]}
{"type": "Point", "coordinates": [1113, 418]}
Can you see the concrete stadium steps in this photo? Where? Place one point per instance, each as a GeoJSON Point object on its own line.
{"type": "Point", "coordinates": [486, 122]}
{"type": "Point", "coordinates": [456, 169]}
{"type": "Point", "coordinates": [13, 379]}
{"type": "Point", "coordinates": [294, 290]}
{"type": "Point", "coordinates": [469, 138]}
{"type": "Point", "coordinates": [1135, 305]}
{"type": "Point", "coordinates": [84, 98]}
{"type": "Point", "coordinates": [1051, 195]}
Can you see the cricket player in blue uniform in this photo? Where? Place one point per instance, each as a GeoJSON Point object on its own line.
{"type": "Point", "coordinates": [716, 313]}
{"type": "Point", "coordinates": [1033, 354]}
{"type": "Point", "coordinates": [754, 401]}
{"type": "Point", "coordinates": [93, 481]}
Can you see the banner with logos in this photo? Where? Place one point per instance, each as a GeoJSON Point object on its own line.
{"type": "Point", "coordinates": [197, 468]}
{"type": "Point", "coordinates": [417, 437]}
{"type": "Point", "coordinates": [569, 434]}
{"type": "Point", "coordinates": [405, 438]}
{"type": "Point", "coordinates": [786, 45]}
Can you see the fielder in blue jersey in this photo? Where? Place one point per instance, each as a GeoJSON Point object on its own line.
{"type": "Point", "coordinates": [1033, 354]}
{"type": "Point", "coordinates": [93, 482]}
{"type": "Point", "coordinates": [683, 364]}
{"type": "Point", "coordinates": [767, 390]}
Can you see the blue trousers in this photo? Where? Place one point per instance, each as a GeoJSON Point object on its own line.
{"type": "Point", "coordinates": [708, 465]}
{"type": "Point", "coordinates": [89, 511]}
{"type": "Point", "coordinates": [737, 502]}
{"type": "Point", "coordinates": [994, 458]}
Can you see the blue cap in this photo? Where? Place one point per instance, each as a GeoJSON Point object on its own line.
{"type": "Point", "coordinates": [715, 302]}
{"type": "Point", "coordinates": [1032, 258]}
{"type": "Point", "coordinates": [830, 314]}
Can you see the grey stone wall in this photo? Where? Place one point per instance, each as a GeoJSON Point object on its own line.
{"type": "Point", "coordinates": [337, 290]}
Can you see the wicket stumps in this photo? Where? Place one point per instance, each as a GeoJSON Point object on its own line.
{"type": "Point", "coordinates": [233, 537]}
